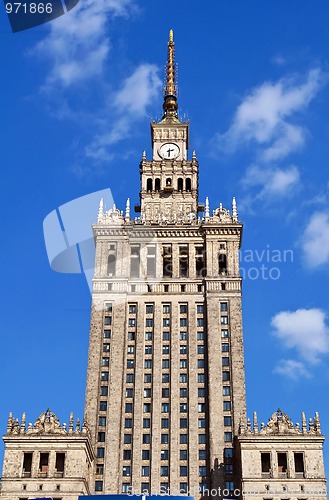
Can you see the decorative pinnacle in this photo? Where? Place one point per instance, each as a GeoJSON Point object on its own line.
{"type": "Point", "coordinates": [170, 105]}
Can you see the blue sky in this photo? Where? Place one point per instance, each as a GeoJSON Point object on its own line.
{"type": "Point", "coordinates": [77, 96]}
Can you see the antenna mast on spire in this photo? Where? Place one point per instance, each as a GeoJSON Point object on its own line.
{"type": "Point", "coordinates": [170, 104]}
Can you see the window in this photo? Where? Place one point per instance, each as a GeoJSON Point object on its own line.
{"type": "Point", "coordinates": [105, 361]}
{"type": "Point", "coordinates": [222, 264]}
{"type": "Point", "coordinates": [223, 306]}
{"type": "Point", "coordinates": [130, 363]}
{"type": "Point", "coordinates": [145, 454]}
{"type": "Point", "coordinates": [183, 487]}
{"type": "Point", "coordinates": [228, 437]}
{"type": "Point", "coordinates": [127, 438]}
{"type": "Point", "coordinates": [179, 184]}
{"type": "Point", "coordinates": [146, 438]}
{"type": "Point", "coordinates": [226, 376]}
{"type": "Point", "coordinates": [228, 468]}
{"type": "Point", "coordinates": [166, 336]}
{"type": "Point", "coordinates": [129, 393]}
{"type": "Point", "coordinates": [134, 261]}
{"type": "Point", "coordinates": [227, 421]}
{"type": "Point", "coordinates": [126, 470]}
{"type": "Point", "coordinates": [148, 363]}
{"type": "Point", "coordinates": [200, 335]}
{"type": "Point", "coordinates": [104, 376]}
{"type": "Point", "coordinates": [166, 322]}
{"type": "Point", "coordinates": [107, 334]}
{"type": "Point", "coordinates": [149, 322]}
{"type": "Point", "coordinates": [145, 487]}
{"type": "Point", "coordinates": [183, 378]}
{"type": "Point", "coordinates": [183, 349]}
{"type": "Point", "coordinates": [228, 453]}
{"type": "Point", "coordinates": [104, 390]}
{"type": "Point", "coordinates": [108, 307]}
{"type": "Point", "coordinates": [108, 320]}
{"type": "Point", "coordinates": [188, 184]}
{"type": "Point", "coordinates": [183, 392]}
{"type": "Point", "coordinates": [201, 408]}
{"type": "Point", "coordinates": [164, 454]}
{"type": "Point", "coordinates": [165, 392]}
{"type": "Point", "coordinates": [224, 320]}
{"type": "Point", "coordinates": [99, 469]}
{"type": "Point", "coordinates": [102, 405]}
{"type": "Point", "coordinates": [106, 347]}
{"type": "Point", "coordinates": [183, 438]}
{"type": "Point", "coordinates": [126, 454]}
{"type": "Point", "coordinates": [132, 309]}
{"type": "Point", "coordinates": [165, 378]}
{"type": "Point", "coordinates": [165, 349]}
{"type": "Point", "coordinates": [202, 470]}
{"type": "Point", "coordinates": [183, 261]}
{"type": "Point", "coordinates": [225, 347]}
{"type": "Point", "coordinates": [131, 335]}
{"type": "Point", "coordinates": [128, 424]}
{"type": "Point", "coordinates": [157, 184]}
{"type": "Point", "coordinates": [148, 378]}
{"type": "Point", "coordinates": [165, 407]}
{"type": "Point", "coordinates": [282, 464]}
{"type": "Point", "coordinates": [299, 464]}
{"type": "Point", "coordinates": [202, 454]}
{"type": "Point", "coordinates": [183, 407]}
{"type": "Point", "coordinates": [183, 308]}
{"type": "Point", "coordinates": [226, 361]}
{"type": "Point", "coordinates": [100, 452]}
{"type": "Point", "coordinates": [224, 334]}
{"type": "Point", "coordinates": [183, 423]}
{"type": "Point", "coordinates": [183, 363]}
{"type": "Point", "coordinates": [201, 378]}
{"type": "Point", "coordinates": [167, 261]}
{"type": "Point", "coordinates": [200, 363]}
{"type": "Point", "coordinates": [146, 423]}
{"type": "Point", "coordinates": [183, 470]}
{"type": "Point", "coordinates": [164, 488]}
{"type": "Point", "coordinates": [164, 438]}
{"type": "Point", "coordinates": [147, 393]}
{"type": "Point", "coordinates": [165, 363]}
{"type": "Point", "coordinates": [266, 464]}
{"type": "Point", "coordinates": [183, 335]}
{"type": "Point", "coordinates": [131, 322]}
{"type": "Point", "coordinates": [226, 390]}
{"type": "Point", "coordinates": [27, 464]}
{"type": "Point", "coordinates": [148, 335]}
{"type": "Point", "coordinates": [147, 407]}
{"type": "Point", "coordinates": [165, 423]}
{"type": "Point", "coordinates": [126, 488]}
{"type": "Point", "coordinates": [202, 423]}
{"type": "Point", "coordinates": [98, 485]}
{"type": "Point", "coordinates": [229, 485]}
{"type": "Point", "coordinates": [201, 392]}
{"type": "Point", "coordinates": [201, 349]}
{"type": "Point", "coordinates": [200, 322]}
{"type": "Point", "coordinates": [145, 470]}
{"type": "Point", "coordinates": [102, 421]}
{"type": "Point", "coordinates": [149, 308]}
{"type": "Point", "coordinates": [151, 262]}
{"type": "Point", "coordinates": [129, 408]}
{"type": "Point", "coordinates": [183, 455]}
{"type": "Point", "coordinates": [183, 322]}
{"type": "Point", "coordinates": [164, 470]}
{"type": "Point", "coordinates": [202, 438]}
{"type": "Point", "coordinates": [166, 308]}
{"type": "Point", "coordinates": [148, 349]}
{"type": "Point", "coordinates": [200, 308]}
{"type": "Point", "coordinates": [100, 438]}
{"type": "Point", "coordinates": [226, 405]}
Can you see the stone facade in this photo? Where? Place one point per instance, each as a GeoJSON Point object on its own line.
{"type": "Point", "coordinates": [46, 459]}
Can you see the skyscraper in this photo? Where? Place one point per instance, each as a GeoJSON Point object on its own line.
{"type": "Point", "coordinates": [165, 407]}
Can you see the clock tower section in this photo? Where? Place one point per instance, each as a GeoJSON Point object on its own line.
{"type": "Point", "coordinates": [169, 182]}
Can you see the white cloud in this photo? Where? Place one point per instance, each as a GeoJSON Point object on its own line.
{"type": "Point", "coordinates": [77, 45]}
{"type": "Point", "coordinates": [304, 330]}
{"type": "Point", "coordinates": [292, 369]}
{"type": "Point", "coordinates": [262, 117]}
{"type": "Point", "coordinates": [315, 240]}
{"type": "Point", "coordinates": [271, 183]}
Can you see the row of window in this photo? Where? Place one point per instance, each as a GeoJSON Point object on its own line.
{"type": "Point", "coordinates": [164, 470]}
{"type": "Point", "coordinates": [166, 308]}
{"type": "Point", "coordinates": [156, 186]}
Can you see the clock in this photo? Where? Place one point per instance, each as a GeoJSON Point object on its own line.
{"type": "Point", "coordinates": [169, 151]}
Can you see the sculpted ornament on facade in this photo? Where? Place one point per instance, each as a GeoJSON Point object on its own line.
{"type": "Point", "coordinates": [46, 423]}
{"type": "Point", "coordinates": [279, 423]}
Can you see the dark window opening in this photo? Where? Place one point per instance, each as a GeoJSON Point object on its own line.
{"type": "Point", "coordinates": [157, 185]}
{"type": "Point", "coordinates": [188, 184]}
{"type": "Point", "coordinates": [180, 184]}
{"type": "Point", "coordinates": [200, 264]}
{"type": "Point", "coordinates": [183, 261]}
{"type": "Point", "coordinates": [168, 181]}
{"type": "Point", "coordinates": [299, 464]}
{"type": "Point", "coordinates": [149, 185]}
{"type": "Point", "coordinates": [282, 463]}
{"type": "Point", "coordinates": [151, 262]}
{"type": "Point", "coordinates": [167, 261]}
{"type": "Point", "coordinates": [111, 265]}
{"type": "Point", "coordinates": [222, 263]}
{"type": "Point", "coordinates": [43, 464]}
{"type": "Point", "coordinates": [59, 465]}
{"type": "Point", "coordinates": [266, 463]}
{"type": "Point", "coordinates": [27, 464]}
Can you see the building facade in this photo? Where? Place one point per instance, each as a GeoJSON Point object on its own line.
{"type": "Point", "coordinates": [165, 408]}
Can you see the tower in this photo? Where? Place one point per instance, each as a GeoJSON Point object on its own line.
{"type": "Point", "coordinates": [165, 386]}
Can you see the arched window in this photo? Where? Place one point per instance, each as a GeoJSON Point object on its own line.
{"type": "Point", "coordinates": [157, 184]}
{"type": "Point", "coordinates": [222, 264]}
{"type": "Point", "coordinates": [168, 181]}
{"type": "Point", "coordinates": [180, 184]}
{"type": "Point", "coordinates": [188, 184]}
{"type": "Point", "coordinates": [149, 185]}
{"type": "Point", "coordinates": [111, 265]}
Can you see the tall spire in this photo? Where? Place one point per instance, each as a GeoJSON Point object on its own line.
{"type": "Point", "coordinates": [170, 105]}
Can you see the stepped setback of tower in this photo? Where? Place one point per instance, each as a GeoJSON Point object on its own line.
{"type": "Point", "coordinates": [165, 405]}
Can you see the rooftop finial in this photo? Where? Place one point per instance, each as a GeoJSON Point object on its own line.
{"type": "Point", "coordinates": [170, 105]}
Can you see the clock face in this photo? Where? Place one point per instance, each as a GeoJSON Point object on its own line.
{"type": "Point", "coordinates": [169, 151]}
